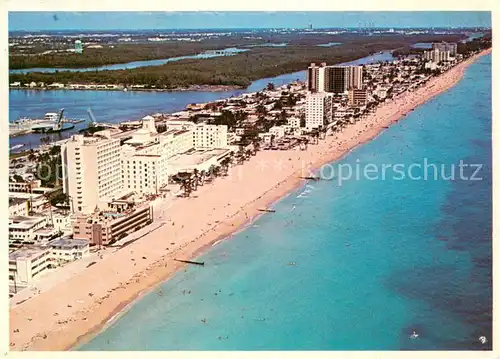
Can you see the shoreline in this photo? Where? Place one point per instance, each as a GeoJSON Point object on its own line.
{"type": "Point", "coordinates": [115, 296]}
{"type": "Point", "coordinates": [197, 88]}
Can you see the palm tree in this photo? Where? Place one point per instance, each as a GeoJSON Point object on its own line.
{"type": "Point", "coordinates": [184, 178]}
{"type": "Point", "coordinates": [261, 110]}
{"type": "Point", "coordinates": [303, 144]}
{"type": "Point", "coordinates": [210, 173]}
{"type": "Point", "coordinates": [225, 164]}
{"type": "Point", "coordinates": [197, 177]}
{"type": "Point", "coordinates": [187, 186]}
{"type": "Point", "coordinates": [203, 175]}
{"type": "Point", "coordinates": [256, 145]}
{"type": "Point", "coordinates": [194, 180]}
{"type": "Point", "coordinates": [322, 132]}
{"type": "Point", "coordinates": [231, 157]}
{"type": "Point", "coordinates": [241, 152]}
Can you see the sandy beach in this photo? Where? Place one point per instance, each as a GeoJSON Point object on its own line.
{"type": "Point", "coordinates": [74, 310]}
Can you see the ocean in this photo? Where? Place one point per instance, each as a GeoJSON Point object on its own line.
{"type": "Point", "coordinates": [352, 265]}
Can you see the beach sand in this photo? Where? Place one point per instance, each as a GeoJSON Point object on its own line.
{"type": "Point", "coordinates": [100, 292]}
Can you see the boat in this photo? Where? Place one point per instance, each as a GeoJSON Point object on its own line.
{"type": "Point", "coordinates": [52, 123]}
{"type": "Point", "coordinates": [52, 130]}
{"type": "Point", "coordinates": [414, 335]}
{"type": "Point", "coordinates": [15, 147]}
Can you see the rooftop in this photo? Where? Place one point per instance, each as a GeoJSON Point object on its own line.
{"type": "Point", "coordinates": [25, 221]}
{"type": "Point", "coordinates": [14, 201]}
{"type": "Point", "coordinates": [67, 243]}
{"type": "Point", "coordinates": [24, 195]}
{"type": "Point", "coordinates": [27, 253]}
{"type": "Point", "coordinates": [196, 157]}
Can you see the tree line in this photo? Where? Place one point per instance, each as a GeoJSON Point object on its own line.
{"type": "Point", "coordinates": [238, 70]}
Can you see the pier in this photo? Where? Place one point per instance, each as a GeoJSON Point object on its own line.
{"type": "Point", "coordinates": [190, 262]}
{"type": "Point", "coordinates": [311, 178]}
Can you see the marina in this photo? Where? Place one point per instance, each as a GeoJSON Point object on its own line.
{"type": "Point", "coordinates": [51, 123]}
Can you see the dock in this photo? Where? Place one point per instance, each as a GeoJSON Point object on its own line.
{"type": "Point", "coordinates": [311, 178]}
{"type": "Point", "coordinates": [190, 262]}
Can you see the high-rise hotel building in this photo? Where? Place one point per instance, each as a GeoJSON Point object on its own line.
{"type": "Point", "coordinates": [98, 169]}
{"type": "Point", "coordinates": [335, 79]}
{"type": "Point", "coordinates": [436, 55]}
{"type": "Point", "coordinates": [92, 173]}
{"type": "Point", "coordinates": [446, 46]}
{"type": "Point", "coordinates": [319, 107]}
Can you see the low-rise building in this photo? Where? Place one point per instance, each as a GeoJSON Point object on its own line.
{"type": "Point", "coordinates": [25, 264]}
{"type": "Point", "coordinates": [357, 97]}
{"type": "Point", "coordinates": [65, 250]}
{"type": "Point", "coordinates": [36, 202]}
{"type": "Point", "coordinates": [200, 160]}
{"type": "Point", "coordinates": [26, 187]}
{"type": "Point", "coordinates": [22, 229]}
{"type": "Point", "coordinates": [56, 85]}
{"type": "Point", "coordinates": [294, 122]}
{"type": "Point", "coordinates": [380, 92]}
{"type": "Point", "coordinates": [18, 207]}
{"type": "Point", "coordinates": [105, 228]}
{"type": "Point", "coordinates": [277, 131]}
{"type": "Point", "coordinates": [61, 221]}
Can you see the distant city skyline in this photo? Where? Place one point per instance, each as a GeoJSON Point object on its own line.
{"type": "Point", "coordinates": [117, 20]}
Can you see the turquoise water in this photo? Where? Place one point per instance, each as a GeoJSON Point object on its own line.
{"type": "Point", "coordinates": [374, 260]}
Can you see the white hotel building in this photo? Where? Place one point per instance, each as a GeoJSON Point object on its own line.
{"type": "Point", "coordinates": [143, 161]}
{"type": "Point", "coordinates": [98, 169]}
{"type": "Point", "coordinates": [91, 171]}
{"type": "Point", "coordinates": [318, 110]}
{"type": "Point", "coordinates": [210, 136]}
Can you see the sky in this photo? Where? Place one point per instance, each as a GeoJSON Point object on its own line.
{"type": "Point", "coordinates": [35, 21]}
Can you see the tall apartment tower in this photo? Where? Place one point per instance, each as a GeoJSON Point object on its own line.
{"type": "Point", "coordinates": [319, 108]}
{"type": "Point", "coordinates": [92, 173]}
{"type": "Point", "coordinates": [446, 46]}
{"type": "Point", "coordinates": [316, 77]}
{"type": "Point", "coordinates": [437, 55]}
{"type": "Point", "coordinates": [335, 79]}
{"type": "Point", "coordinates": [355, 77]}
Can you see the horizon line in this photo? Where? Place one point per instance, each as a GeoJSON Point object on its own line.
{"type": "Point", "coordinates": [266, 28]}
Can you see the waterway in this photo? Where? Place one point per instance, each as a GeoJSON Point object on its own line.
{"type": "Point", "coordinates": [132, 65]}
{"type": "Point", "coordinates": [119, 106]}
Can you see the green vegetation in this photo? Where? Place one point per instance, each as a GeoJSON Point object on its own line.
{"type": "Point", "coordinates": [49, 167]}
{"type": "Point", "coordinates": [474, 45]}
{"type": "Point", "coordinates": [121, 53]}
{"type": "Point", "coordinates": [238, 70]}
{"type": "Point", "coordinates": [18, 154]}
{"type": "Point", "coordinates": [18, 178]}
